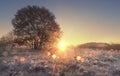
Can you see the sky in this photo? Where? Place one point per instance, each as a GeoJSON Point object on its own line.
{"type": "Point", "coordinates": [81, 21]}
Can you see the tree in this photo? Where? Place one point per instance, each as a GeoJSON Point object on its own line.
{"type": "Point", "coordinates": [38, 25]}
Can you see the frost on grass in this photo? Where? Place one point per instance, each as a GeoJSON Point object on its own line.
{"type": "Point", "coordinates": [96, 63]}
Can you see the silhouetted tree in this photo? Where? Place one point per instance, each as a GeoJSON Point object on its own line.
{"type": "Point", "coordinates": [38, 25]}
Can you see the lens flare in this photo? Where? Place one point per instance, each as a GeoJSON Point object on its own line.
{"type": "Point", "coordinates": [82, 60]}
{"type": "Point", "coordinates": [78, 58]}
{"type": "Point", "coordinates": [22, 59]}
{"type": "Point", "coordinates": [54, 56]}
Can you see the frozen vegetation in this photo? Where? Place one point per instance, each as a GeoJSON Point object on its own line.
{"type": "Point", "coordinates": [25, 62]}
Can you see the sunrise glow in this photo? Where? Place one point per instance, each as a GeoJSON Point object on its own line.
{"type": "Point", "coordinates": [62, 45]}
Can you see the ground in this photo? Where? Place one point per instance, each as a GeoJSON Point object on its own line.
{"type": "Point", "coordinates": [26, 62]}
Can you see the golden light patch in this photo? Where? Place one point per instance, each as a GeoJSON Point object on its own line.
{"type": "Point", "coordinates": [54, 56]}
{"type": "Point", "coordinates": [78, 58]}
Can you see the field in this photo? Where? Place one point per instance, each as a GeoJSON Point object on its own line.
{"type": "Point", "coordinates": [76, 62]}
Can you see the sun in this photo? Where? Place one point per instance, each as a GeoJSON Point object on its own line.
{"type": "Point", "coordinates": [61, 45]}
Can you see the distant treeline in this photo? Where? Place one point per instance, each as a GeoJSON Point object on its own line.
{"type": "Point", "coordinates": [104, 46]}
